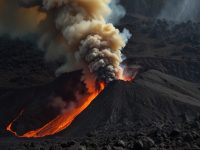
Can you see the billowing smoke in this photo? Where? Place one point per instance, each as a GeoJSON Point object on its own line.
{"type": "Point", "coordinates": [182, 10]}
{"type": "Point", "coordinates": [76, 30]}
{"type": "Point", "coordinates": [79, 32]}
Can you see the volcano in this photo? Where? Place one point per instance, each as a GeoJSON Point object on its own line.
{"type": "Point", "coordinates": [152, 98]}
{"type": "Point", "coordinates": [158, 109]}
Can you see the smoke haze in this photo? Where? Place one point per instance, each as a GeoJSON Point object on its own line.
{"type": "Point", "coordinates": [181, 10]}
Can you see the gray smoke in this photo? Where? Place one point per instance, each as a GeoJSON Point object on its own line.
{"type": "Point", "coordinates": [102, 62]}
{"type": "Point", "coordinates": [181, 10]}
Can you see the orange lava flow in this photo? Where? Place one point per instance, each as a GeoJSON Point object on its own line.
{"type": "Point", "coordinates": [8, 128]}
{"type": "Point", "coordinates": [60, 122]}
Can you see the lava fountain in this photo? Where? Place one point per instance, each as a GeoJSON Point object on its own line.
{"type": "Point", "coordinates": [79, 32]}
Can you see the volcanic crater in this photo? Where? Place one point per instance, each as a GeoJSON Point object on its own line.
{"type": "Point", "coordinates": [152, 99]}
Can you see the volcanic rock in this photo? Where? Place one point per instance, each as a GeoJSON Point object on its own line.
{"type": "Point", "coordinates": [120, 143]}
{"type": "Point", "coordinates": [138, 145]}
{"type": "Point", "coordinates": [175, 132]}
{"type": "Point", "coordinates": [146, 111]}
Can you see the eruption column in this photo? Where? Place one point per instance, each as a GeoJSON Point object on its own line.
{"type": "Point", "coordinates": [74, 30]}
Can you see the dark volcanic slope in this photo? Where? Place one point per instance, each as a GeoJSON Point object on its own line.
{"type": "Point", "coordinates": [187, 70]}
{"type": "Point", "coordinates": [35, 103]}
{"type": "Point", "coordinates": [155, 105]}
{"type": "Point", "coordinates": [153, 97]}
{"type": "Point", "coordinates": [22, 64]}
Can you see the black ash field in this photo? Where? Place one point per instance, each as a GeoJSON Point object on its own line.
{"type": "Point", "coordinates": [159, 109]}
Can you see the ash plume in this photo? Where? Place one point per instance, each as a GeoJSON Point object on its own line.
{"type": "Point", "coordinates": [77, 30]}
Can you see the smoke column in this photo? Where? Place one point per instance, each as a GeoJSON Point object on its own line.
{"type": "Point", "coordinates": [182, 10]}
{"type": "Point", "coordinates": [81, 31]}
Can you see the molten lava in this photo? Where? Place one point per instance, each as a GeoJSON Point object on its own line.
{"type": "Point", "coordinates": [60, 122]}
{"type": "Point", "coordinates": [63, 120]}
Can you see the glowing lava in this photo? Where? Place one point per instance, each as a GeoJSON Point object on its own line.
{"type": "Point", "coordinates": [126, 78]}
{"type": "Point", "coordinates": [60, 122]}
{"type": "Point", "coordinates": [129, 73]}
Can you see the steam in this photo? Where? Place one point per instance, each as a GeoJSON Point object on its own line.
{"type": "Point", "coordinates": [182, 10]}
{"type": "Point", "coordinates": [58, 103]}
{"type": "Point", "coordinates": [118, 12]}
{"type": "Point", "coordinates": [76, 30]}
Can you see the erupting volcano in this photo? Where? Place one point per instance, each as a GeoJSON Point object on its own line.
{"type": "Point", "coordinates": [79, 32]}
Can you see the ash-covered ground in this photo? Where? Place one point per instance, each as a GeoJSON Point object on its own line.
{"type": "Point", "coordinates": [160, 109]}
